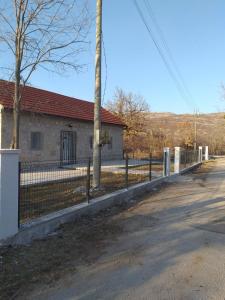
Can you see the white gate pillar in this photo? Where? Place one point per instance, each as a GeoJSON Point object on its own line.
{"type": "Point", "coordinates": [200, 154]}
{"type": "Point", "coordinates": [206, 153]}
{"type": "Point", "coordinates": [9, 162]}
{"type": "Point", "coordinates": [166, 161]}
{"type": "Point", "coordinates": [177, 158]}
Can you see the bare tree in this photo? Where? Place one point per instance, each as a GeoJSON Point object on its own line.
{"type": "Point", "coordinates": [47, 34]}
{"type": "Point", "coordinates": [131, 109]}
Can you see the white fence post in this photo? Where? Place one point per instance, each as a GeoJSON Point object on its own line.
{"type": "Point", "coordinates": [177, 158]}
{"type": "Point", "coordinates": [9, 161]}
{"type": "Point", "coordinates": [200, 153]}
{"type": "Point", "coordinates": [166, 161]}
{"type": "Point", "coordinates": [206, 153]}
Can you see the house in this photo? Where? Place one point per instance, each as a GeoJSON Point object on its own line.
{"type": "Point", "coordinates": [54, 127]}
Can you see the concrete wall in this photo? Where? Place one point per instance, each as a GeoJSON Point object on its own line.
{"type": "Point", "coordinates": [1, 108]}
{"type": "Point", "coordinates": [51, 128]}
{"type": "Point", "coordinates": [8, 192]}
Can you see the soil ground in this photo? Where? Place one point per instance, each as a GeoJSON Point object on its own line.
{"type": "Point", "coordinates": [169, 244]}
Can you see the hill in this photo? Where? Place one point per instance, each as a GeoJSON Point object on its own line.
{"type": "Point", "coordinates": [169, 129]}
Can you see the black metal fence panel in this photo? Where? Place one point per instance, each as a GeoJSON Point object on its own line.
{"type": "Point", "coordinates": [47, 187]}
{"type": "Point", "coordinates": [188, 158]}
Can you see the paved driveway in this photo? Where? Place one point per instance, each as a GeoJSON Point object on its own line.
{"type": "Point", "coordinates": [52, 173]}
{"type": "Point", "coordinates": [171, 246]}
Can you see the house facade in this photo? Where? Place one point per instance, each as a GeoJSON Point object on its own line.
{"type": "Point", "coordinates": [54, 127]}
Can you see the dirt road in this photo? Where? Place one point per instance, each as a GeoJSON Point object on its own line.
{"type": "Point", "coordinates": [171, 245]}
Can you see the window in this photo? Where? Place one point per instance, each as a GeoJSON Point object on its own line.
{"type": "Point", "coordinates": [110, 143]}
{"type": "Point", "coordinates": [36, 141]}
{"type": "Point", "coordinates": [91, 142]}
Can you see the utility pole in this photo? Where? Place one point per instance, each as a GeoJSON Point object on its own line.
{"type": "Point", "coordinates": [97, 108]}
{"type": "Point", "coordinates": [195, 129]}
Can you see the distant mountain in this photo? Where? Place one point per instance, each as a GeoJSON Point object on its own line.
{"type": "Point", "coordinates": [179, 129]}
{"type": "Point", "coordinates": [204, 119]}
{"type": "Point", "coordinates": [161, 114]}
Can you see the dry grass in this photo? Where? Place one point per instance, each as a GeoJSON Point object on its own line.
{"type": "Point", "coordinates": [47, 260]}
{"type": "Point", "coordinates": [77, 243]}
{"type": "Point", "coordinates": [36, 200]}
{"type": "Point", "coordinates": [41, 199]}
{"type": "Point", "coordinates": [155, 167]}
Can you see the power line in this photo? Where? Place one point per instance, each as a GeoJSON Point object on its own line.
{"type": "Point", "coordinates": [167, 48]}
{"type": "Point", "coordinates": [167, 65]}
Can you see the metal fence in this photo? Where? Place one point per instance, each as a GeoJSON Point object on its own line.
{"type": "Point", "coordinates": [47, 187]}
{"type": "Point", "coordinates": [188, 158]}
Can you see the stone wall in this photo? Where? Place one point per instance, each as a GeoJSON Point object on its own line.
{"type": "Point", "coordinates": [50, 128]}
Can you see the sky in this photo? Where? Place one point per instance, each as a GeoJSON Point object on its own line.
{"type": "Point", "coordinates": [195, 33]}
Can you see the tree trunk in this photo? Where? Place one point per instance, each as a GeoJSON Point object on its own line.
{"type": "Point", "coordinates": [16, 111]}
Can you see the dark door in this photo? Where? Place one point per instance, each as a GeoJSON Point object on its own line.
{"type": "Point", "coordinates": [68, 147]}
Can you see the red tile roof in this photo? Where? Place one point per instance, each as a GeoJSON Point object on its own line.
{"type": "Point", "coordinates": [45, 102]}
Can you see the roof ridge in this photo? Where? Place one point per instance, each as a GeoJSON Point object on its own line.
{"type": "Point", "coordinates": [47, 91]}
{"type": "Point", "coordinates": [42, 101]}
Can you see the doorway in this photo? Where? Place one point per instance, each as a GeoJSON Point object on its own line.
{"type": "Point", "coordinates": [68, 147]}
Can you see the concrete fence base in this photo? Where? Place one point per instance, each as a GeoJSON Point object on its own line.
{"type": "Point", "coordinates": [9, 161]}
{"type": "Point", "coordinates": [44, 225]}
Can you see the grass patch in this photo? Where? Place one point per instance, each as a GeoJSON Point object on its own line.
{"type": "Point", "coordinates": [42, 199]}
{"type": "Point", "coordinates": [155, 167]}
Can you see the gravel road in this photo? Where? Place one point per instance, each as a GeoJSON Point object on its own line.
{"type": "Point", "coordinates": [171, 246]}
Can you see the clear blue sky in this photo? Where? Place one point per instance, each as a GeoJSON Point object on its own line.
{"type": "Point", "coordinates": [195, 33]}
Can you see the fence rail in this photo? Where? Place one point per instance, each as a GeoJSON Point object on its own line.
{"type": "Point", "coordinates": [188, 158]}
{"type": "Point", "coordinates": [47, 187]}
